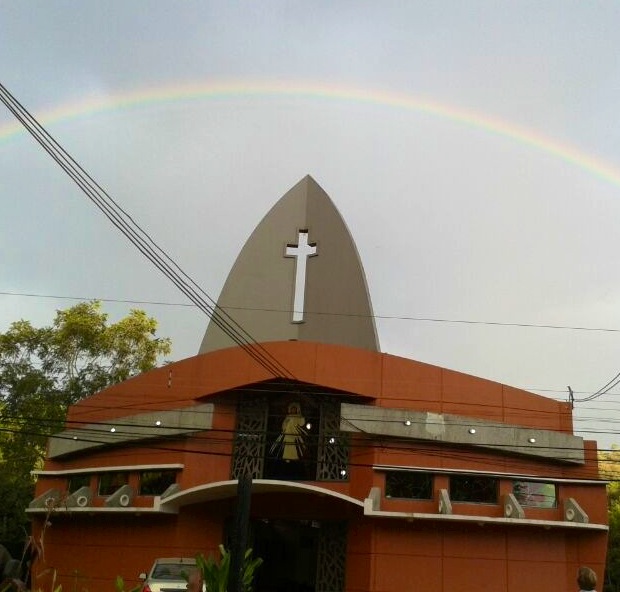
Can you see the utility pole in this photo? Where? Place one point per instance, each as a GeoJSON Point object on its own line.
{"type": "Point", "coordinates": [240, 534]}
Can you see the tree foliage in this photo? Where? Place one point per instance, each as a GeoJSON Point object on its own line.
{"type": "Point", "coordinates": [609, 468]}
{"type": "Point", "coordinates": [44, 370]}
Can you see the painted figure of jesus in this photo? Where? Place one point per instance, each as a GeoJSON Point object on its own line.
{"type": "Point", "coordinates": [293, 433]}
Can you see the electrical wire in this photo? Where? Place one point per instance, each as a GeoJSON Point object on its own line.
{"type": "Point", "coordinates": [602, 391]}
{"type": "Point", "coordinates": [323, 313]}
{"type": "Point", "coordinates": [91, 404]}
{"type": "Point", "coordinates": [158, 257]}
{"type": "Point", "coordinates": [141, 239]}
{"type": "Point", "coordinates": [384, 445]}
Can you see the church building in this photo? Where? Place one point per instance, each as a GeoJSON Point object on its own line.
{"type": "Point", "coordinates": [370, 472]}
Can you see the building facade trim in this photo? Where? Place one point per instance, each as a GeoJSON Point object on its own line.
{"type": "Point", "coordinates": [520, 476]}
{"type": "Point", "coordinates": [109, 469]}
{"type": "Point", "coordinates": [462, 430]}
{"type": "Point", "coordinates": [132, 428]}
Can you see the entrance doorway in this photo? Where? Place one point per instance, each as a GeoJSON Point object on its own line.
{"type": "Point", "coordinates": [299, 555]}
{"type": "Point", "coordinates": [289, 549]}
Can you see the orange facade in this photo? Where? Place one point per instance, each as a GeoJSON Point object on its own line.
{"type": "Point", "coordinates": [401, 476]}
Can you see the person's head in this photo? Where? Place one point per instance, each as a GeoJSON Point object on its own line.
{"type": "Point", "coordinates": [194, 580]}
{"type": "Point", "coordinates": [586, 578]}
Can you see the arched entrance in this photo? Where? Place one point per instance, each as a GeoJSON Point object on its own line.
{"type": "Point", "coordinates": [298, 529]}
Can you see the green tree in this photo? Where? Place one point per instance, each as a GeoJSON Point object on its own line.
{"type": "Point", "coordinates": [43, 371]}
{"type": "Point", "coordinates": [609, 468]}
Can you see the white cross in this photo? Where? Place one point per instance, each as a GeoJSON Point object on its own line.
{"type": "Point", "coordinates": [301, 252]}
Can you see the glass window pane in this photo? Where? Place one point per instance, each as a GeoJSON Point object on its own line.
{"type": "Point", "coordinates": [536, 494]}
{"type": "Point", "coordinates": [473, 488]}
{"type": "Point", "coordinates": [156, 482]}
{"type": "Point", "coordinates": [77, 481]}
{"type": "Point", "coordinates": [110, 482]}
{"type": "Point", "coordinates": [402, 484]}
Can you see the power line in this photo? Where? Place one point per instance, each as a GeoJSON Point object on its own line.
{"type": "Point", "coordinates": [603, 390]}
{"type": "Point", "coordinates": [591, 396]}
{"type": "Point", "coordinates": [145, 244]}
{"type": "Point", "coordinates": [322, 313]}
{"type": "Point", "coordinates": [388, 444]}
{"type": "Point", "coordinates": [141, 239]}
{"type": "Point", "coordinates": [292, 388]}
{"type": "Point", "coordinates": [103, 425]}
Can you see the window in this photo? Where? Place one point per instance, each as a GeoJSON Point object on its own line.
{"type": "Point", "coordinates": [473, 488]}
{"type": "Point", "coordinates": [110, 482]}
{"type": "Point", "coordinates": [78, 481]}
{"type": "Point", "coordinates": [156, 482]}
{"type": "Point", "coordinates": [535, 494]}
{"type": "Point", "coordinates": [409, 485]}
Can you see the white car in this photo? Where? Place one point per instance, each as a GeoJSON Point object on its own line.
{"type": "Point", "coordinates": [168, 574]}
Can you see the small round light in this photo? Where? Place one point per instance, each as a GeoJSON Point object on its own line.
{"type": "Point", "coordinates": [343, 472]}
{"type": "Point", "coordinates": [332, 440]}
{"type": "Point", "coordinates": [75, 437]}
{"type": "Point", "coordinates": [532, 440]}
{"type": "Point", "coordinates": [158, 423]}
{"type": "Point", "coordinates": [472, 430]}
{"type": "Point", "coordinates": [112, 430]}
{"type": "Point", "coordinates": [407, 422]}
{"type": "Point", "coordinates": [308, 426]}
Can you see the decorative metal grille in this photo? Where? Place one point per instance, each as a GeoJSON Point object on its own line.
{"type": "Point", "coordinates": [473, 488]}
{"type": "Point", "coordinates": [249, 444]}
{"type": "Point", "coordinates": [409, 485]}
{"type": "Point", "coordinates": [331, 560]}
{"type": "Point", "coordinates": [333, 454]}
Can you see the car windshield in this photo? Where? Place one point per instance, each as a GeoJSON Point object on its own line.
{"type": "Point", "coordinates": [170, 571]}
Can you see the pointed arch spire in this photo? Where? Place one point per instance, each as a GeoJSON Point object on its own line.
{"type": "Point", "coordinates": [299, 277]}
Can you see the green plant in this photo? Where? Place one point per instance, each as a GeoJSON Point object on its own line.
{"type": "Point", "coordinates": [53, 586]}
{"type": "Point", "coordinates": [119, 584]}
{"type": "Point", "coordinates": [215, 575]}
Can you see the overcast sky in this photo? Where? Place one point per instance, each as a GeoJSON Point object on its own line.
{"type": "Point", "coordinates": [455, 216]}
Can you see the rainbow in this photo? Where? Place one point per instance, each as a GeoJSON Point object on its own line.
{"type": "Point", "coordinates": [318, 91]}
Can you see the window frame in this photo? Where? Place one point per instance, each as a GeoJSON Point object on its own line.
{"type": "Point", "coordinates": [170, 472]}
{"type": "Point", "coordinates": [120, 475]}
{"type": "Point", "coordinates": [402, 476]}
{"type": "Point", "coordinates": [492, 483]}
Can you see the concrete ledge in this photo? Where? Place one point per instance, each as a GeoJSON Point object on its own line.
{"type": "Point", "coordinates": [482, 520]}
{"type": "Point", "coordinates": [132, 428]}
{"type": "Point", "coordinates": [461, 430]}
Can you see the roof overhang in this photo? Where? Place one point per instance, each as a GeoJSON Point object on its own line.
{"type": "Point", "coordinates": [460, 430]}
{"type": "Point", "coordinates": [181, 421]}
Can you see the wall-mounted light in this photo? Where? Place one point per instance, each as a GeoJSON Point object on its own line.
{"type": "Point", "coordinates": [112, 430]}
{"type": "Point", "coordinates": [472, 430]}
{"type": "Point", "coordinates": [75, 437]}
{"type": "Point", "coordinates": [158, 423]}
{"type": "Point", "coordinates": [532, 440]}
{"type": "Point", "coordinates": [332, 440]}
{"type": "Point", "coordinates": [308, 426]}
{"type": "Point", "coordinates": [407, 422]}
{"type": "Point", "coordinates": [343, 472]}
